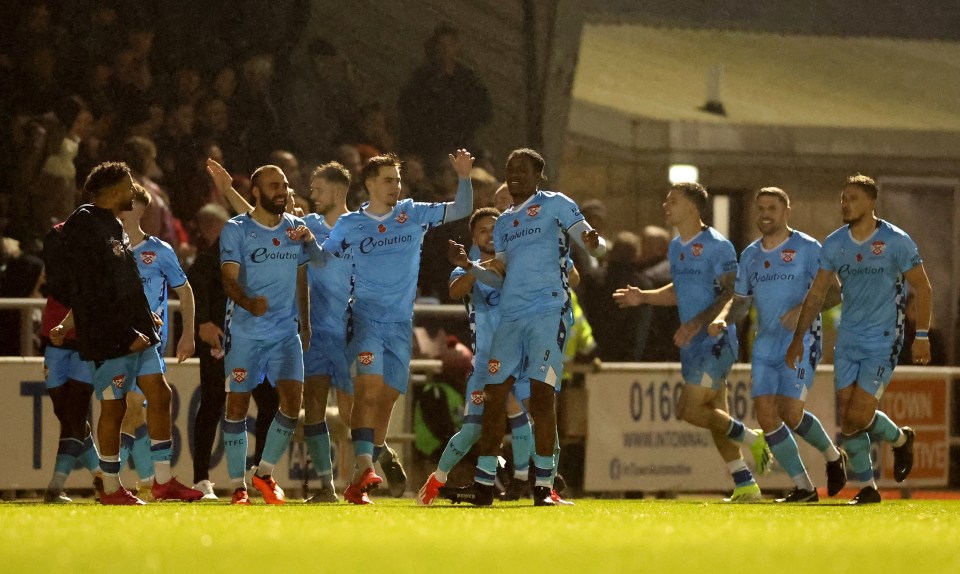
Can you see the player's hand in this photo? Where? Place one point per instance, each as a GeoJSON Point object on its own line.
{"type": "Point", "coordinates": [221, 177]}
{"type": "Point", "coordinates": [497, 266]}
{"type": "Point", "coordinates": [457, 254]}
{"type": "Point", "coordinates": [157, 321]}
{"type": "Point", "coordinates": [301, 233]}
{"type": "Point", "coordinates": [716, 328]}
{"type": "Point", "coordinates": [142, 343]}
{"type": "Point", "coordinates": [790, 318]}
{"type": "Point", "coordinates": [591, 239]}
{"type": "Point", "coordinates": [794, 352]}
{"type": "Point", "coordinates": [462, 162]}
{"type": "Point", "coordinates": [628, 296]}
{"type": "Point", "coordinates": [686, 333]}
{"type": "Point", "coordinates": [920, 351]}
{"type": "Point", "coordinates": [186, 347]}
{"type": "Point", "coordinates": [291, 207]}
{"type": "Point", "coordinates": [57, 335]}
{"type": "Point", "coordinates": [211, 334]}
{"type": "Point", "coordinates": [257, 305]}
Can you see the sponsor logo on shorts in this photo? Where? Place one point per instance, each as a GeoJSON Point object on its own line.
{"type": "Point", "coordinates": [119, 380]}
{"type": "Point", "coordinates": [148, 257]}
{"type": "Point", "coordinates": [402, 218]}
{"type": "Point", "coordinates": [697, 249]}
{"type": "Point", "coordinates": [365, 358]}
{"type": "Point", "coordinates": [239, 375]}
{"type": "Point", "coordinates": [533, 210]}
{"type": "Point", "coordinates": [493, 366]}
{"type": "Point", "coordinates": [878, 247]}
{"type": "Point", "coordinates": [476, 397]}
{"type": "Point", "coordinates": [787, 255]}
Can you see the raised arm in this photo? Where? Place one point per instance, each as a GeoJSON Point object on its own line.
{"type": "Point", "coordinates": [812, 304]}
{"type": "Point", "coordinates": [224, 182]}
{"type": "Point", "coordinates": [490, 272]}
{"type": "Point", "coordinates": [920, 283]}
{"type": "Point", "coordinates": [187, 344]}
{"type": "Point", "coordinates": [462, 205]}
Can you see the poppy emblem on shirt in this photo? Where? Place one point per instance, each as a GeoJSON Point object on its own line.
{"type": "Point", "coordinates": [787, 255]}
{"type": "Point", "coordinates": [766, 264]}
{"type": "Point", "coordinates": [859, 257]}
{"type": "Point", "coordinates": [402, 218]}
{"type": "Point", "coordinates": [239, 375]}
{"type": "Point", "coordinates": [476, 397]}
{"type": "Point", "coordinates": [516, 222]}
{"type": "Point", "coordinates": [382, 228]}
{"type": "Point", "coordinates": [365, 358]}
{"type": "Point", "coordinates": [119, 380]}
{"type": "Point", "coordinates": [533, 210]}
{"type": "Point", "coordinates": [682, 257]}
{"type": "Point", "coordinates": [878, 247]}
{"type": "Point", "coordinates": [148, 257]}
{"type": "Point", "coordinates": [276, 242]}
{"type": "Point", "coordinates": [493, 366]}
{"type": "Point", "coordinates": [697, 249]}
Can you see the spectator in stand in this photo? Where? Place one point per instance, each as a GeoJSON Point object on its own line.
{"type": "Point", "coordinates": [157, 220]}
{"type": "Point", "coordinates": [415, 184]}
{"type": "Point", "coordinates": [620, 333]}
{"type": "Point", "coordinates": [287, 162]}
{"type": "Point", "coordinates": [443, 103]}
{"type": "Point", "coordinates": [664, 321]}
{"type": "Point", "coordinates": [260, 129]}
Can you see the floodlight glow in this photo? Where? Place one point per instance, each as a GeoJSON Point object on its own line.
{"type": "Point", "coordinates": [680, 173]}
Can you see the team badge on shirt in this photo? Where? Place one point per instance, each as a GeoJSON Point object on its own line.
{"type": "Point", "coordinates": [239, 375]}
{"type": "Point", "coordinates": [493, 366]}
{"type": "Point", "coordinates": [402, 218]}
{"type": "Point", "coordinates": [533, 210]}
{"type": "Point", "coordinates": [878, 247]}
{"type": "Point", "coordinates": [117, 247]}
{"type": "Point", "coordinates": [365, 358]}
{"type": "Point", "coordinates": [119, 380]}
{"type": "Point", "coordinates": [697, 249]}
{"type": "Point", "coordinates": [148, 257]}
{"type": "Point", "coordinates": [476, 397]}
{"type": "Point", "coordinates": [787, 255]}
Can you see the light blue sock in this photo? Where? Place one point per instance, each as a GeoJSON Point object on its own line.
{"type": "Point", "coordinates": [543, 469]}
{"type": "Point", "coordinates": [521, 436]}
{"type": "Point", "coordinates": [67, 451]}
{"type": "Point", "coordinates": [458, 446]}
{"type": "Point", "coordinates": [142, 453]}
{"type": "Point", "coordinates": [860, 466]}
{"type": "Point", "coordinates": [486, 470]}
{"type": "Point", "coordinates": [784, 448]}
{"type": "Point", "coordinates": [89, 457]}
{"type": "Point", "coordinates": [317, 437]}
{"type": "Point", "coordinates": [883, 429]}
{"type": "Point", "coordinates": [811, 430]}
{"type": "Point", "coordinates": [126, 449]}
{"type": "Point", "coordinates": [278, 439]}
{"type": "Point", "coordinates": [235, 445]}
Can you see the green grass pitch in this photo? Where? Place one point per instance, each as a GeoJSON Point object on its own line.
{"type": "Point", "coordinates": [676, 536]}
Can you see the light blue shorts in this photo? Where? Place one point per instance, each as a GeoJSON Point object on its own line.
{"type": "Point", "coordinates": [379, 348]}
{"type": "Point", "coordinates": [248, 361]}
{"type": "Point", "coordinates": [114, 378]}
{"type": "Point", "coordinates": [61, 365]}
{"type": "Point", "coordinates": [775, 377]}
{"type": "Point", "coordinates": [706, 362]}
{"type": "Point", "coordinates": [327, 355]}
{"type": "Point", "coordinates": [870, 369]}
{"type": "Point", "coordinates": [529, 347]}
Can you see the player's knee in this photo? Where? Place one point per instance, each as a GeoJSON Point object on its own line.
{"type": "Point", "coordinates": [856, 419]}
{"type": "Point", "coordinates": [471, 433]}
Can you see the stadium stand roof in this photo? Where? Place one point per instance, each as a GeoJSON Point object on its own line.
{"type": "Point", "coordinates": [660, 74]}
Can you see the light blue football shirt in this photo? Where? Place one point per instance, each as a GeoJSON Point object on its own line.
{"type": "Point", "coordinates": [386, 256]}
{"type": "Point", "coordinates": [778, 280]}
{"type": "Point", "coordinates": [872, 284]}
{"type": "Point", "coordinates": [330, 284]}
{"type": "Point", "coordinates": [268, 260]}
{"type": "Point", "coordinates": [159, 270]}
{"type": "Point", "coordinates": [696, 267]}
{"type": "Point", "coordinates": [532, 238]}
